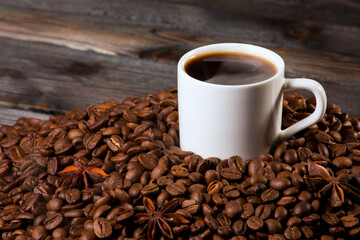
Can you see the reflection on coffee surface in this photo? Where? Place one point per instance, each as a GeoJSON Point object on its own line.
{"type": "Point", "coordinates": [229, 68]}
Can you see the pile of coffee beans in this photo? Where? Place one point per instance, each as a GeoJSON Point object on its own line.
{"type": "Point", "coordinates": [89, 174]}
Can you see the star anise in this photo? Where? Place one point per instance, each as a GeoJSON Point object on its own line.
{"type": "Point", "coordinates": [74, 175]}
{"type": "Point", "coordinates": [320, 177]}
{"type": "Point", "coordinates": [159, 218]}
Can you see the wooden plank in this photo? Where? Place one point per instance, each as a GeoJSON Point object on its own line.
{"type": "Point", "coordinates": [8, 116]}
{"type": "Point", "coordinates": [318, 27]}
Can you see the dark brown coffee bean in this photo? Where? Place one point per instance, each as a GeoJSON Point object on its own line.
{"type": "Point", "coordinates": [176, 189]}
{"type": "Point", "coordinates": [292, 233]}
{"type": "Point", "coordinates": [290, 156]}
{"type": "Point", "coordinates": [255, 223]}
{"type": "Point", "coordinates": [293, 221]}
{"type": "Point", "coordinates": [181, 230]}
{"type": "Point", "coordinates": [133, 175]}
{"type": "Point", "coordinates": [59, 233]}
{"type": "Point", "coordinates": [39, 233]}
{"type": "Point", "coordinates": [273, 226]}
{"type": "Point", "coordinates": [330, 219]}
{"type": "Point", "coordinates": [179, 171]}
{"type": "Point", "coordinates": [54, 204]}
{"type": "Point", "coordinates": [124, 216]}
{"type": "Point", "coordinates": [135, 190]}
{"type": "Point", "coordinates": [202, 166]}
{"type": "Point", "coordinates": [231, 191]}
{"type": "Point", "coordinates": [53, 220]}
{"type": "Point", "coordinates": [263, 211]}
{"type": "Point", "coordinates": [248, 210]}
{"type": "Point", "coordinates": [214, 187]}
{"type": "Point", "coordinates": [73, 213]}
{"type": "Point", "coordinates": [255, 166]}
{"type": "Point", "coordinates": [192, 206]}
{"type": "Point", "coordinates": [269, 195]}
{"type": "Point", "coordinates": [231, 174]}
{"type": "Point", "coordinates": [337, 150]}
{"type": "Point", "coordinates": [102, 228]}
{"type": "Point", "coordinates": [151, 188]}
{"type": "Point", "coordinates": [239, 227]}
{"type": "Point", "coordinates": [211, 175]}
{"type": "Point", "coordinates": [342, 162]}
{"type": "Point", "coordinates": [91, 141]}
{"type": "Point", "coordinates": [72, 195]}
{"type": "Point", "coordinates": [276, 237]}
{"type": "Point", "coordinates": [306, 232]}
{"type": "Point", "coordinates": [286, 201]}
{"type": "Point", "coordinates": [233, 208]}
{"type": "Point", "coordinates": [303, 208]}
{"type": "Point", "coordinates": [211, 222]}
{"type": "Point", "coordinates": [236, 162]}
{"type": "Point", "coordinates": [164, 181]}
{"type": "Point", "coordinates": [279, 151]}
{"type": "Point", "coordinates": [355, 232]}
{"type": "Point", "coordinates": [224, 230]}
{"type": "Point", "coordinates": [147, 161]}
{"type": "Point", "coordinates": [219, 199]}
{"type": "Point", "coordinates": [311, 219]}
{"type": "Point", "coordinates": [349, 221]}
{"type": "Point", "coordinates": [280, 183]}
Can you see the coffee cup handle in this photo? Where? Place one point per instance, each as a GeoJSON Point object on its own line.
{"type": "Point", "coordinates": [321, 103]}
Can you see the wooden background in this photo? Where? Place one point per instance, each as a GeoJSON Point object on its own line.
{"type": "Point", "coordinates": [61, 55]}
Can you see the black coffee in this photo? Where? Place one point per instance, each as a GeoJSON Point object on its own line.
{"type": "Point", "coordinates": [230, 68]}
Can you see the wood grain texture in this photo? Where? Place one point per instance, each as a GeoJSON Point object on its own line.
{"type": "Point", "coordinates": [10, 115]}
{"type": "Point", "coordinates": [62, 55]}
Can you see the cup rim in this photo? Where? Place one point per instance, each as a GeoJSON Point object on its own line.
{"type": "Point", "coordinates": [251, 49]}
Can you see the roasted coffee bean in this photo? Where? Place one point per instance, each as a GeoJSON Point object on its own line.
{"type": "Point", "coordinates": [176, 189]}
{"type": "Point", "coordinates": [233, 208]}
{"type": "Point", "coordinates": [293, 221]}
{"type": "Point", "coordinates": [151, 188]}
{"type": "Point", "coordinates": [302, 209]}
{"type": "Point", "coordinates": [215, 187]}
{"type": "Point", "coordinates": [54, 204]}
{"type": "Point", "coordinates": [179, 171]}
{"type": "Point", "coordinates": [224, 230]}
{"type": "Point", "coordinates": [211, 175]}
{"type": "Point", "coordinates": [307, 232]}
{"type": "Point", "coordinates": [211, 222]}
{"type": "Point", "coordinates": [349, 221]}
{"type": "Point", "coordinates": [248, 210]}
{"type": "Point", "coordinates": [231, 191]}
{"type": "Point", "coordinates": [231, 174]}
{"type": "Point", "coordinates": [342, 162]}
{"type": "Point", "coordinates": [39, 233]}
{"type": "Point", "coordinates": [255, 223]}
{"type": "Point", "coordinates": [73, 213]}
{"type": "Point", "coordinates": [147, 162]}
{"type": "Point", "coordinates": [292, 233]}
{"type": "Point", "coordinates": [237, 163]}
{"type": "Point", "coordinates": [53, 220]}
{"type": "Point", "coordinates": [102, 228]}
{"type": "Point", "coordinates": [124, 216]}
{"type": "Point", "coordinates": [269, 195]}
{"type": "Point", "coordinates": [72, 195]}
{"type": "Point", "coordinates": [330, 219]}
{"type": "Point", "coordinates": [280, 183]}
{"type": "Point", "coordinates": [263, 211]}
{"type": "Point", "coordinates": [273, 226]}
{"type": "Point", "coordinates": [192, 206]}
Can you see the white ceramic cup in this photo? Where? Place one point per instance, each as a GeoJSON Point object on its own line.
{"type": "Point", "coordinates": [223, 120]}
